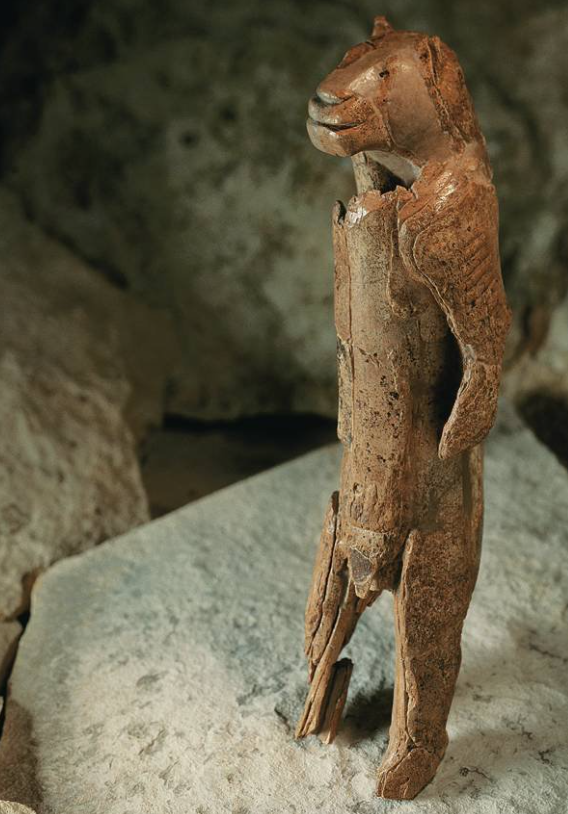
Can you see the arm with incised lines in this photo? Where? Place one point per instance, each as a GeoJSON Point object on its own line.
{"type": "Point", "coordinates": [449, 241]}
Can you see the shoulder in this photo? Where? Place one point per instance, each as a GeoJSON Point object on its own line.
{"type": "Point", "coordinates": [449, 191]}
{"type": "Point", "coordinates": [371, 204]}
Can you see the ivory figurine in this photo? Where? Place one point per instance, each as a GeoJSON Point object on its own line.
{"type": "Point", "coordinates": [421, 320]}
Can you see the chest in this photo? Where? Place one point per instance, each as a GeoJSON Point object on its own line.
{"type": "Point", "coordinates": [379, 307]}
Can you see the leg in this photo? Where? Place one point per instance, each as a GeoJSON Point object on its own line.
{"type": "Point", "coordinates": [331, 616]}
{"type": "Point", "coordinates": [431, 601]}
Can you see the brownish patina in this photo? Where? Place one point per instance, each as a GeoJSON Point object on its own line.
{"type": "Point", "coordinates": [421, 320]}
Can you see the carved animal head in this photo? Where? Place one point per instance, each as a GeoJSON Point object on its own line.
{"type": "Point", "coordinates": [400, 94]}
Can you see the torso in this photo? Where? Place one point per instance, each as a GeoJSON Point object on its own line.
{"type": "Point", "coordinates": [398, 371]}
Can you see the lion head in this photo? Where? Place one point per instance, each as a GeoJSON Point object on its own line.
{"type": "Point", "coordinates": [401, 96]}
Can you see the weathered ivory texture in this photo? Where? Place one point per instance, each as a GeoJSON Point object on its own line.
{"type": "Point", "coordinates": [421, 321]}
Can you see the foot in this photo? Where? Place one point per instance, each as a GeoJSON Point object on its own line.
{"type": "Point", "coordinates": [405, 774]}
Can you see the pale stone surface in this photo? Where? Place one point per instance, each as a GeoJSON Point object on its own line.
{"type": "Point", "coordinates": [15, 808]}
{"type": "Point", "coordinates": [163, 672]}
{"type": "Point", "coordinates": [173, 155]}
{"type": "Point", "coordinates": [69, 477]}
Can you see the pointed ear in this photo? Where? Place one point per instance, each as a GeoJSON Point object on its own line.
{"type": "Point", "coordinates": [381, 26]}
{"type": "Point", "coordinates": [437, 56]}
{"type": "Point", "coordinates": [436, 46]}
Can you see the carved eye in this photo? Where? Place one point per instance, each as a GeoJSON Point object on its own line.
{"type": "Point", "coordinates": [355, 53]}
{"type": "Point", "coordinates": [383, 74]}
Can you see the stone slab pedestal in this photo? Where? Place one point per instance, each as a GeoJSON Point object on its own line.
{"type": "Point", "coordinates": [163, 673]}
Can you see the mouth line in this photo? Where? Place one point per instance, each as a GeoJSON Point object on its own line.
{"type": "Point", "coordinates": [329, 114]}
{"type": "Point", "coordinates": [336, 128]}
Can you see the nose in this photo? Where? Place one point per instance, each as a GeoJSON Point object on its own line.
{"type": "Point", "coordinates": [327, 97]}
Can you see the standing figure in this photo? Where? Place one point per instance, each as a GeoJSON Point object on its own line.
{"type": "Point", "coordinates": [421, 321]}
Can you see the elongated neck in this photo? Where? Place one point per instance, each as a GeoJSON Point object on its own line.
{"type": "Point", "coordinates": [384, 171]}
{"type": "Point", "coordinates": [369, 174]}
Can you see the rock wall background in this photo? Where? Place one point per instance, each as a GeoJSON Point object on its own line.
{"type": "Point", "coordinates": [164, 144]}
{"type": "Point", "coordinates": [69, 474]}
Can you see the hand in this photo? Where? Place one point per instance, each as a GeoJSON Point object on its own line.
{"type": "Point", "coordinates": [372, 556]}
